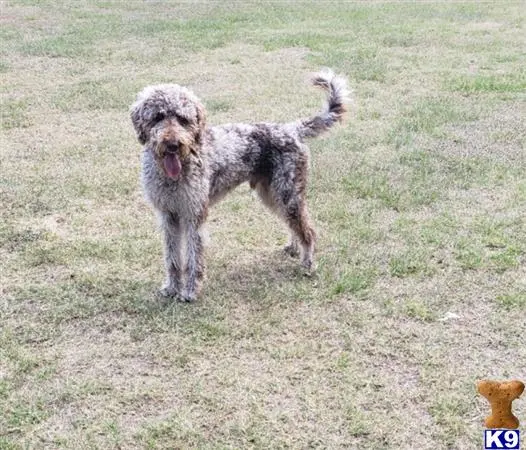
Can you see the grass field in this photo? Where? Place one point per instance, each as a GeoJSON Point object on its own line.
{"type": "Point", "coordinates": [419, 202]}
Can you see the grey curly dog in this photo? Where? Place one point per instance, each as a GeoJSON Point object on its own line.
{"type": "Point", "coordinates": [187, 167]}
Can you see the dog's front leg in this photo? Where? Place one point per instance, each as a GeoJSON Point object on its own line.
{"type": "Point", "coordinates": [171, 227]}
{"type": "Point", "coordinates": [195, 262]}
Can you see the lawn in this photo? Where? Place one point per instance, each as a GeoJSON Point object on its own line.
{"type": "Point", "coordinates": [419, 201]}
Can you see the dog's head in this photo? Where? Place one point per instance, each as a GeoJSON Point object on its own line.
{"type": "Point", "coordinates": [169, 120]}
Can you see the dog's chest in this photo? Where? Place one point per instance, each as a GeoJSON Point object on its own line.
{"type": "Point", "coordinates": [185, 196]}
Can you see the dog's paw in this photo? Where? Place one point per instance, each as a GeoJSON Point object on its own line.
{"type": "Point", "coordinates": [167, 296]}
{"type": "Point", "coordinates": [308, 269]}
{"type": "Point", "coordinates": [307, 273]}
{"type": "Point", "coordinates": [187, 296]}
{"type": "Point", "coordinates": [291, 250]}
{"type": "Point", "coordinates": [168, 293]}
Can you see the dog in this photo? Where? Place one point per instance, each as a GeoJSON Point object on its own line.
{"type": "Point", "coordinates": [187, 167]}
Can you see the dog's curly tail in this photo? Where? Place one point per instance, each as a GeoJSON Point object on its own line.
{"type": "Point", "coordinates": [337, 100]}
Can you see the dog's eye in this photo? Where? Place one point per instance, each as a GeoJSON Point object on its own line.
{"type": "Point", "coordinates": [183, 121]}
{"type": "Point", "coordinates": [158, 117]}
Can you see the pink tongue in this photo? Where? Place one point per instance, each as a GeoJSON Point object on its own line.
{"type": "Point", "coordinates": [172, 164]}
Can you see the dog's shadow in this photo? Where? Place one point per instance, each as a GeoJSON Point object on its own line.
{"type": "Point", "coordinates": [266, 277]}
{"type": "Point", "coordinates": [265, 280]}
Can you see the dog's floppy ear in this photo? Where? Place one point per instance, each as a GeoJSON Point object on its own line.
{"type": "Point", "coordinates": [201, 117]}
{"type": "Point", "coordinates": [138, 122]}
{"type": "Point", "coordinates": [201, 121]}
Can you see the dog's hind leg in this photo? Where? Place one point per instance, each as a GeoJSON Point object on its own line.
{"type": "Point", "coordinates": [297, 218]}
{"type": "Point", "coordinates": [171, 227]}
{"type": "Point", "coordinates": [287, 200]}
{"type": "Point", "coordinates": [263, 190]}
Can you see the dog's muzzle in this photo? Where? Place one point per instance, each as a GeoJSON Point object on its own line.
{"type": "Point", "coordinates": [172, 160]}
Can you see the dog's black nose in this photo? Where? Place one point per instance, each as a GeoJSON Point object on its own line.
{"type": "Point", "coordinates": [172, 148]}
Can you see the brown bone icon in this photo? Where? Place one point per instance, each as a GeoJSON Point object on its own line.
{"type": "Point", "coordinates": [500, 395]}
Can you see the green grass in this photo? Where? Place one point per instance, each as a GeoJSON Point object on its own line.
{"type": "Point", "coordinates": [353, 281]}
{"type": "Point", "coordinates": [515, 300]}
{"type": "Point", "coordinates": [428, 116]}
{"type": "Point", "coordinates": [418, 200]}
{"type": "Point", "coordinates": [408, 263]}
{"type": "Point", "coordinates": [7, 444]}
{"type": "Point", "coordinates": [419, 310]}
{"type": "Point", "coordinates": [512, 82]}
{"type": "Point", "coordinates": [92, 96]}
{"type": "Point", "coordinates": [14, 114]}
{"type": "Point", "coordinates": [219, 105]}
